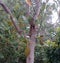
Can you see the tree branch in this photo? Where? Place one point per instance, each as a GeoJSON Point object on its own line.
{"type": "Point", "coordinates": [37, 9]}
{"type": "Point", "coordinates": [35, 16]}
{"type": "Point", "coordinates": [7, 10]}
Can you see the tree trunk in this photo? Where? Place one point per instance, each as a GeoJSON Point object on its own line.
{"type": "Point", "coordinates": [32, 42]}
{"type": "Point", "coordinates": [32, 33]}
{"type": "Point", "coordinates": [30, 57]}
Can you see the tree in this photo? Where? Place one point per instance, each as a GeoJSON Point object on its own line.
{"type": "Point", "coordinates": [35, 13]}
{"type": "Point", "coordinates": [32, 32]}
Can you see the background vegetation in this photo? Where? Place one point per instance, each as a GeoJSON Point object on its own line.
{"type": "Point", "coordinates": [12, 46]}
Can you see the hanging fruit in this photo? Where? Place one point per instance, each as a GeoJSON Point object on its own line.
{"type": "Point", "coordinates": [41, 40]}
{"type": "Point", "coordinates": [27, 51]}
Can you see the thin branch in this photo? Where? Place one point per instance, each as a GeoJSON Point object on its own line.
{"type": "Point", "coordinates": [7, 10]}
{"type": "Point", "coordinates": [37, 9]}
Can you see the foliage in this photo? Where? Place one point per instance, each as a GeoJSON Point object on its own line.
{"type": "Point", "coordinates": [58, 35]}
{"type": "Point", "coordinates": [53, 50]}
{"type": "Point", "coordinates": [12, 46]}
{"type": "Point", "coordinates": [53, 54]}
{"type": "Point", "coordinates": [40, 54]}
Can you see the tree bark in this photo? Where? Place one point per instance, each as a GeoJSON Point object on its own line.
{"type": "Point", "coordinates": [32, 41]}
{"type": "Point", "coordinates": [32, 33]}
{"type": "Point", "coordinates": [30, 57]}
